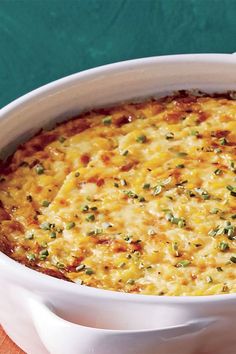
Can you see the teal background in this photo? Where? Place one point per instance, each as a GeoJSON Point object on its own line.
{"type": "Point", "coordinates": [43, 40]}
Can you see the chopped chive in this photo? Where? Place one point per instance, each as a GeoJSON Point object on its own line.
{"type": "Point", "coordinates": [53, 234]}
{"type": "Point", "coordinates": [31, 257]}
{"type": "Point", "coordinates": [85, 208]}
{"type": "Point", "coordinates": [223, 246]}
{"type": "Point", "coordinates": [195, 132]}
{"type": "Point", "coordinates": [29, 198]}
{"type": "Point", "coordinates": [43, 254]}
{"type": "Point", "coordinates": [60, 265]}
{"type": "Point", "coordinates": [39, 169]}
{"type": "Point", "coordinates": [77, 174]}
{"type": "Point", "coordinates": [219, 269]}
{"type": "Point", "coordinates": [94, 208]}
{"type": "Point", "coordinates": [232, 190]}
{"type": "Point", "coordinates": [90, 217]}
{"type": "Point", "coordinates": [169, 136]}
{"type": "Point", "coordinates": [29, 236]}
{"type": "Point", "coordinates": [180, 166]}
{"type": "Point", "coordinates": [131, 194]}
{"type": "Point", "coordinates": [183, 263]}
{"type": "Point", "coordinates": [141, 199]}
{"type": "Point", "coordinates": [45, 226]}
{"type": "Point", "coordinates": [61, 139]}
{"type": "Point", "coordinates": [215, 211]}
{"type": "Point", "coordinates": [45, 203]}
{"type": "Point", "coordinates": [209, 279]}
{"type": "Point", "coordinates": [123, 182]}
{"type": "Point", "coordinates": [107, 120]}
{"type": "Point", "coordinates": [89, 271]}
{"type": "Point", "coordinates": [70, 225]}
{"type": "Point", "coordinates": [131, 281]}
{"type": "Point", "coordinates": [182, 154]}
{"type": "Point", "coordinates": [233, 216]}
{"type": "Point", "coordinates": [116, 185]}
{"type": "Point", "coordinates": [157, 190]}
{"type": "Point", "coordinates": [223, 141]}
{"type": "Point", "coordinates": [218, 171]}
{"type": "Point", "coordinates": [125, 153]}
{"type": "Point", "coordinates": [146, 186]}
{"type": "Point", "coordinates": [233, 259]}
{"type": "Point", "coordinates": [178, 221]}
{"type": "Point", "coordinates": [141, 139]}
{"type": "Point", "coordinates": [203, 193]}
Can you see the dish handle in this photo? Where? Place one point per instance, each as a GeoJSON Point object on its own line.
{"type": "Point", "coordinates": [63, 337]}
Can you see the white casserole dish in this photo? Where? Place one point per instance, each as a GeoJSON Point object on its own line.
{"type": "Point", "coordinates": [43, 314]}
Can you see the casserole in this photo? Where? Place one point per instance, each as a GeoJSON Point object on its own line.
{"type": "Point", "coordinates": [127, 323]}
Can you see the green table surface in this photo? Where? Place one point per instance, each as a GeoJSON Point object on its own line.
{"type": "Point", "coordinates": [43, 40]}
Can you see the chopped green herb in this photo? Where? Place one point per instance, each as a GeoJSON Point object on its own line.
{"type": "Point", "coordinates": [123, 182]}
{"type": "Point", "coordinates": [77, 174]}
{"type": "Point", "coordinates": [183, 263]}
{"type": "Point", "coordinates": [180, 165]}
{"type": "Point", "coordinates": [217, 150]}
{"type": "Point", "coordinates": [31, 257]}
{"type": "Point", "coordinates": [178, 221]}
{"type": "Point", "coordinates": [141, 139]}
{"type": "Point", "coordinates": [94, 208]}
{"type": "Point", "coordinates": [233, 216]}
{"type": "Point", "coordinates": [170, 136]}
{"type": "Point", "coordinates": [53, 234]}
{"type": "Point", "coordinates": [223, 246]}
{"type": "Point", "coordinates": [85, 208]}
{"type": "Point", "coordinates": [219, 269]}
{"type": "Point", "coordinates": [209, 279]}
{"type": "Point", "coordinates": [39, 169]}
{"type": "Point", "coordinates": [29, 198]}
{"type": "Point", "coordinates": [223, 141]}
{"type": "Point", "coordinates": [43, 254]}
{"type": "Point", "coordinates": [146, 186]}
{"type": "Point", "coordinates": [232, 166]}
{"type": "Point", "coordinates": [60, 265]}
{"type": "Point", "coordinates": [107, 120]}
{"type": "Point", "coordinates": [29, 236]}
{"type": "Point", "coordinates": [70, 225]}
{"type": "Point", "coordinates": [46, 226]}
{"type": "Point", "coordinates": [131, 281]}
{"type": "Point", "coordinates": [131, 194]}
{"type": "Point", "coordinates": [203, 193]}
{"type": "Point", "coordinates": [141, 199]}
{"type": "Point", "coordinates": [233, 259]}
{"type": "Point", "coordinates": [89, 271]}
{"type": "Point", "coordinates": [61, 139]}
{"type": "Point", "coordinates": [116, 185]}
{"type": "Point", "coordinates": [215, 211]}
{"type": "Point", "coordinates": [195, 132]}
{"type": "Point", "coordinates": [45, 203]}
{"type": "Point", "coordinates": [106, 225]}
{"type": "Point", "coordinates": [125, 153]}
{"type": "Point", "coordinates": [218, 171]}
{"type": "Point", "coordinates": [90, 217]}
{"type": "Point", "coordinates": [182, 154]}
{"type": "Point", "coordinates": [157, 190]}
{"type": "Point", "coordinates": [232, 190]}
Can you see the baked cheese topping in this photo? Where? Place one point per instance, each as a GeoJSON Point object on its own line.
{"type": "Point", "coordinates": [138, 198]}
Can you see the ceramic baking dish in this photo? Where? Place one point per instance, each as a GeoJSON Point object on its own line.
{"type": "Point", "coordinates": [43, 314]}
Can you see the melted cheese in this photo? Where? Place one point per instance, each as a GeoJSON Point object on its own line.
{"type": "Point", "coordinates": [139, 198]}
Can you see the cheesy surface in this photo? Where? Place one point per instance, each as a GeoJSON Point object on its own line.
{"type": "Point", "coordinates": [137, 198]}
